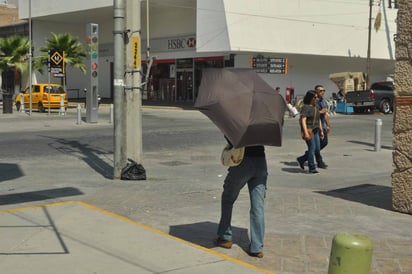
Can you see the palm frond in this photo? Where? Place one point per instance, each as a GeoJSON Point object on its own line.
{"type": "Point", "coordinates": [73, 50]}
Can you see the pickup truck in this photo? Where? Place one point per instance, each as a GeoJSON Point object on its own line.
{"type": "Point", "coordinates": [380, 96]}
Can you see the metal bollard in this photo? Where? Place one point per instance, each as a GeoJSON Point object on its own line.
{"type": "Point", "coordinates": [21, 102]}
{"type": "Point", "coordinates": [62, 111]}
{"type": "Point", "coordinates": [378, 130]}
{"type": "Point", "coordinates": [111, 114]}
{"type": "Point", "coordinates": [350, 253]}
{"type": "Point", "coordinates": [79, 114]}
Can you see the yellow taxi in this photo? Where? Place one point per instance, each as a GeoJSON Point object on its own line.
{"type": "Point", "coordinates": [44, 96]}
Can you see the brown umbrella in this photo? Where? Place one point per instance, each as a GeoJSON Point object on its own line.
{"type": "Point", "coordinates": [242, 105]}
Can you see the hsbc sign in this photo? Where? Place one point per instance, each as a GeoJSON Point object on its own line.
{"type": "Point", "coordinates": [181, 43]}
{"type": "Point", "coordinates": [178, 43]}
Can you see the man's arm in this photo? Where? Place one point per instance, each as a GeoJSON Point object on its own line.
{"type": "Point", "coordinates": [327, 122]}
{"type": "Point", "coordinates": [324, 110]}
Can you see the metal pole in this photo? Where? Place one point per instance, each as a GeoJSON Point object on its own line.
{"type": "Point", "coordinates": [148, 58]}
{"type": "Point", "coordinates": [48, 80]}
{"type": "Point", "coordinates": [378, 130]}
{"type": "Point", "coordinates": [368, 57]}
{"type": "Point", "coordinates": [30, 63]}
{"type": "Point", "coordinates": [22, 103]}
{"type": "Point", "coordinates": [111, 114]}
{"type": "Point", "coordinates": [79, 114]}
{"type": "Point", "coordinates": [119, 130]}
{"type": "Point", "coordinates": [62, 111]}
{"type": "Point", "coordinates": [64, 86]}
{"type": "Point", "coordinates": [147, 31]}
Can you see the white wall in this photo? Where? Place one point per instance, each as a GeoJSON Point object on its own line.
{"type": "Point", "coordinates": [319, 27]}
{"type": "Point", "coordinates": [51, 7]}
{"type": "Point", "coordinates": [169, 20]}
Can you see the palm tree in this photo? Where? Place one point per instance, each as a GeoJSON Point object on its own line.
{"type": "Point", "coordinates": [74, 52]}
{"type": "Point", "coordinates": [14, 52]}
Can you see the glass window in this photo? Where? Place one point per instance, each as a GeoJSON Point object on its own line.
{"type": "Point", "coordinates": [382, 86]}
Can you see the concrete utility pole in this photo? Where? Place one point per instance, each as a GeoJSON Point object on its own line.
{"type": "Point", "coordinates": [120, 159]}
{"type": "Point", "coordinates": [127, 85]}
{"type": "Point", "coordinates": [133, 82]}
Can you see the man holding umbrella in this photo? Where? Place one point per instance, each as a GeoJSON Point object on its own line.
{"type": "Point", "coordinates": [250, 114]}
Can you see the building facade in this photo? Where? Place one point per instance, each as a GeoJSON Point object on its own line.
{"type": "Point", "coordinates": [10, 24]}
{"type": "Point", "coordinates": [315, 37]}
{"type": "Point", "coordinates": [8, 14]}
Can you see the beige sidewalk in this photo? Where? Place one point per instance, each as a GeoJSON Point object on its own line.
{"type": "Point", "coordinates": [75, 237]}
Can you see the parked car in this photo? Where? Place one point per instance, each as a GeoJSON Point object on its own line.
{"type": "Point", "coordinates": [380, 97]}
{"type": "Point", "coordinates": [352, 88]}
{"type": "Point", "coordinates": [44, 96]}
{"type": "Point", "coordinates": [383, 94]}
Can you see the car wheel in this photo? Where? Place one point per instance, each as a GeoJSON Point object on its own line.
{"type": "Point", "coordinates": [18, 106]}
{"type": "Point", "coordinates": [41, 107]}
{"type": "Point", "coordinates": [385, 106]}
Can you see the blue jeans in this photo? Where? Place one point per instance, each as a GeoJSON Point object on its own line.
{"type": "Point", "coordinates": [253, 171]}
{"type": "Point", "coordinates": [323, 143]}
{"type": "Point", "coordinates": [313, 148]}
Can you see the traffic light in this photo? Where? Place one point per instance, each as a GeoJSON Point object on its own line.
{"type": "Point", "coordinates": [94, 70]}
{"type": "Point", "coordinates": [92, 40]}
{"type": "Point", "coordinates": [93, 43]}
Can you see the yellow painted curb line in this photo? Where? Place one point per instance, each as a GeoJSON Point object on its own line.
{"type": "Point", "coordinates": [123, 218]}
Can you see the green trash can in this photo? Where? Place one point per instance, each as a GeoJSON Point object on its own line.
{"type": "Point", "coordinates": [7, 103]}
{"type": "Point", "coordinates": [350, 253]}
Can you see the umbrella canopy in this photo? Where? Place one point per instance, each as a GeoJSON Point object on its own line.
{"type": "Point", "coordinates": [242, 105]}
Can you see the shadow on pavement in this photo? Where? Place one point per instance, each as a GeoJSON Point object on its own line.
{"type": "Point", "coordinates": [368, 194]}
{"type": "Point", "coordinates": [88, 154]}
{"type": "Point", "coordinates": [204, 234]}
{"type": "Point", "coordinates": [369, 144]}
{"type": "Point", "coordinates": [49, 227]}
{"type": "Point", "coordinates": [292, 167]}
{"type": "Point", "coordinates": [10, 172]}
{"type": "Point", "coordinates": [17, 198]}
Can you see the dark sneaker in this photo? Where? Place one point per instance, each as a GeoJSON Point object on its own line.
{"type": "Point", "coordinates": [322, 165]}
{"type": "Point", "coordinates": [313, 171]}
{"type": "Point", "coordinates": [301, 163]}
{"type": "Point", "coordinates": [223, 243]}
{"type": "Point", "coordinates": [257, 254]}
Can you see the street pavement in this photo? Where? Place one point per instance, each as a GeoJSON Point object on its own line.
{"type": "Point", "coordinates": [84, 222]}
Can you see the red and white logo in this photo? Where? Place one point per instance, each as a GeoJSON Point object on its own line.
{"type": "Point", "coordinates": [191, 42]}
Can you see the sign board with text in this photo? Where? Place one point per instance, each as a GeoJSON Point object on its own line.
{"type": "Point", "coordinates": [136, 52]}
{"type": "Point", "coordinates": [56, 63]}
{"type": "Point", "coordinates": [262, 64]}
